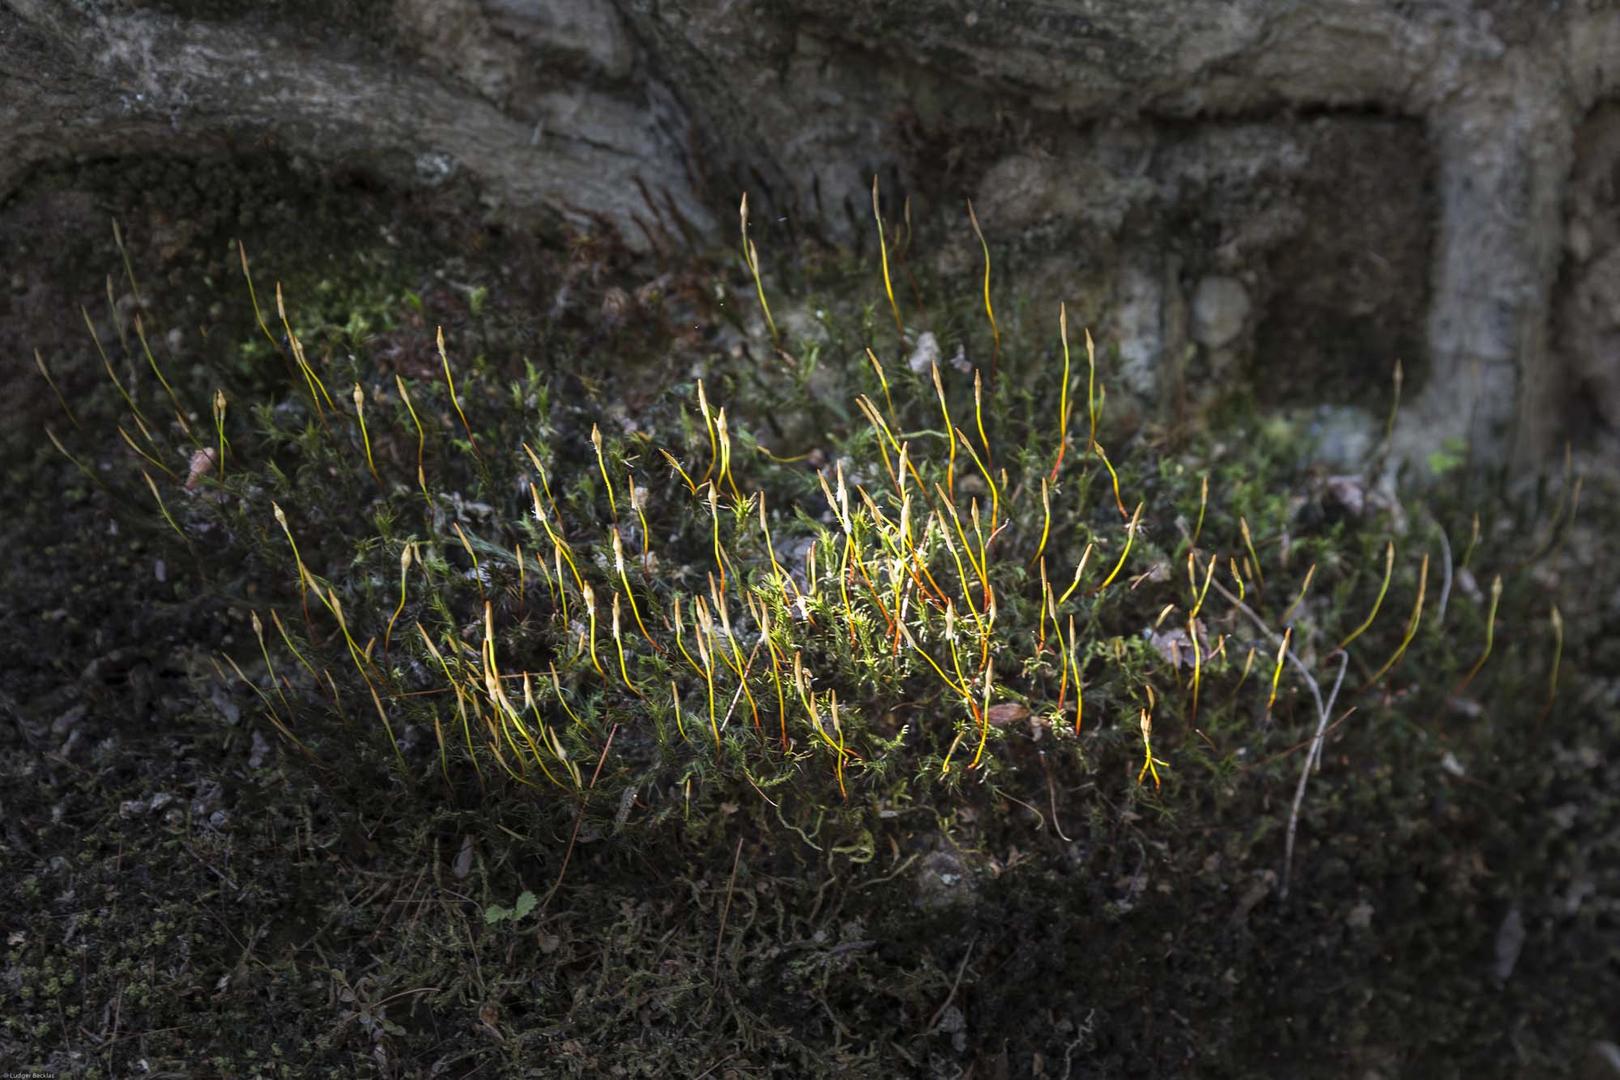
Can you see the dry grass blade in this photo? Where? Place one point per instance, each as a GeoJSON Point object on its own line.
{"type": "Point", "coordinates": [1389, 569]}
{"type": "Point", "coordinates": [751, 259]}
{"type": "Point", "coordinates": [989, 309]}
{"type": "Point", "coordinates": [883, 253]}
{"type": "Point", "coordinates": [39, 362]}
{"type": "Point", "coordinates": [1411, 627]}
{"type": "Point", "coordinates": [1490, 636]}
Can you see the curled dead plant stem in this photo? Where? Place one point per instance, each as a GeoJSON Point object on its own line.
{"type": "Point", "coordinates": [1324, 709]}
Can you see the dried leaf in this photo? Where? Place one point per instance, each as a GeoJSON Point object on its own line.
{"type": "Point", "coordinates": [1008, 712]}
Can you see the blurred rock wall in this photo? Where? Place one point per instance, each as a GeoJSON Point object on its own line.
{"type": "Point", "coordinates": [1296, 194]}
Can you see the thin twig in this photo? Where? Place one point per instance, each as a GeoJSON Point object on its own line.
{"type": "Point", "coordinates": [711, 1069]}
{"type": "Point", "coordinates": [1445, 584]}
{"type": "Point", "coordinates": [1302, 744]}
{"type": "Point", "coordinates": [1051, 791]}
{"type": "Point", "coordinates": [725, 912]}
{"type": "Point", "coordinates": [579, 817]}
{"type": "Point", "coordinates": [955, 983]}
{"type": "Point", "coordinates": [1275, 638]}
{"type": "Point", "coordinates": [1312, 758]}
{"type": "Point", "coordinates": [736, 697]}
{"type": "Point", "coordinates": [890, 876]}
{"type": "Point", "coordinates": [1324, 709]}
{"type": "Point", "coordinates": [1040, 818]}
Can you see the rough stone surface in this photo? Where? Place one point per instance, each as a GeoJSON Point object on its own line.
{"type": "Point", "coordinates": [1588, 311]}
{"type": "Point", "coordinates": [1385, 178]}
{"type": "Point", "coordinates": [1220, 308]}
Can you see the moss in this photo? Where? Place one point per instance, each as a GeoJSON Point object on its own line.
{"type": "Point", "coordinates": [1044, 911]}
{"type": "Point", "coordinates": [386, 547]}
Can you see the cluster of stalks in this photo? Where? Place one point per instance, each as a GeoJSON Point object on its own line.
{"type": "Point", "coordinates": [953, 567]}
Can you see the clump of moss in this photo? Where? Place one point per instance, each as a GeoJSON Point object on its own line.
{"type": "Point", "coordinates": [464, 569]}
{"type": "Point", "coordinates": [1049, 906]}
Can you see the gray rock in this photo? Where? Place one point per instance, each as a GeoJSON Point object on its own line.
{"type": "Point", "coordinates": [1341, 437]}
{"type": "Point", "coordinates": [1509, 944]}
{"type": "Point", "coordinates": [943, 880]}
{"type": "Point", "coordinates": [1085, 127]}
{"type": "Point", "coordinates": [925, 355]}
{"type": "Point", "coordinates": [1220, 310]}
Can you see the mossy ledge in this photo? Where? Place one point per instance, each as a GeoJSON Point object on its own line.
{"type": "Point", "coordinates": [470, 574]}
{"type": "Point", "coordinates": [800, 607]}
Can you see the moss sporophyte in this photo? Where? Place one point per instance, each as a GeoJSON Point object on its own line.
{"type": "Point", "coordinates": [502, 582]}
